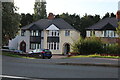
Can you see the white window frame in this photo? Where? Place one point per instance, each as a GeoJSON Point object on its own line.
{"type": "Point", "coordinates": [52, 33]}
{"type": "Point", "coordinates": [67, 32]}
{"type": "Point", "coordinates": [53, 45]}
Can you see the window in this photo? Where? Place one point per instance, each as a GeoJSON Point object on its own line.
{"type": "Point", "coordinates": [92, 33]}
{"type": "Point", "coordinates": [34, 33]}
{"type": "Point", "coordinates": [67, 33]}
{"type": "Point", "coordinates": [23, 33]}
{"type": "Point", "coordinates": [37, 33]}
{"type": "Point", "coordinates": [109, 33]}
{"type": "Point", "coordinates": [35, 46]}
{"type": "Point", "coordinates": [53, 33]}
{"type": "Point", "coordinates": [53, 45]}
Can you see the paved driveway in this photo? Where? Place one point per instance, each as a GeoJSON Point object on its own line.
{"type": "Point", "coordinates": [58, 56]}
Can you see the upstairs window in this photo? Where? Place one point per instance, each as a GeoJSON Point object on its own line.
{"type": "Point", "coordinates": [23, 33]}
{"type": "Point", "coordinates": [53, 33]}
{"type": "Point", "coordinates": [67, 33]}
{"type": "Point", "coordinates": [109, 33]}
{"type": "Point", "coordinates": [34, 33]}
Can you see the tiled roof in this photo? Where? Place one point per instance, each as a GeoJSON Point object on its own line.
{"type": "Point", "coordinates": [112, 22]}
{"type": "Point", "coordinates": [45, 23]}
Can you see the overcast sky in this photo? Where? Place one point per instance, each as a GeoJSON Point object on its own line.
{"type": "Point", "coordinates": [71, 6]}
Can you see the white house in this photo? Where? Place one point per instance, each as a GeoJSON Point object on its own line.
{"type": "Point", "coordinates": [52, 33]}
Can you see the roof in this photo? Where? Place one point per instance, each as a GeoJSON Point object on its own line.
{"type": "Point", "coordinates": [107, 23]}
{"type": "Point", "coordinates": [45, 23]}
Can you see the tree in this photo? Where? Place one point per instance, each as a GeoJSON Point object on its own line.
{"type": "Point", "coordinates": [10, 22]}
{"type": "Point", "coordinates": [107, 15]}
{"type": "Point", "coordinates": [80, 23]}
{"type": "Point", "coordinates": [72, 19]}
{"type": "Point", "coordinates": [87, 21]}
{"type": "Point", "coordinates": [40, 10]}
{"type": "Point", "coordinates": [118, 29]}
{"type": "Point", "coordinates": [112, 15]}
{"type": "Point", "coordinates": [26, 19]}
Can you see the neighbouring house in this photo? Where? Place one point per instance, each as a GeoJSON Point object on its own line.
{"type": "Point", "coordinates": [52, 33]}
{"type": "Point", "coordinates": [105, 29]}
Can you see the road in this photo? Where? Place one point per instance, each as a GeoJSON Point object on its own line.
{"type": "Point", "coordinates": [44, 68]}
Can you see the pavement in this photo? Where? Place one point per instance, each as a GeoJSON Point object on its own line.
{"type": "Point", "coordinates": [105, 62]}
{"type": "Point", "coordinates": [61, 60]}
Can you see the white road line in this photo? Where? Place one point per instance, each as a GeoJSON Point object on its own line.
{"type": "Point", "coordinates": [5, 76]}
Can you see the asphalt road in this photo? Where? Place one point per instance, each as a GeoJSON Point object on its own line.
{"type": "Point", "coordinates": [44, 68]}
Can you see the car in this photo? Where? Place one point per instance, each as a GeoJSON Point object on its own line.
{"type": "Point", "coordinates": [43, 53]}
{"type": "Point", "coordinates": [7, 49]}
{"type": "Point", "coordinates": [18, 51]}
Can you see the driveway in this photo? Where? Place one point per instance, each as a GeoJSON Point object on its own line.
{"type": "Point", "coordinates": [56, 56]}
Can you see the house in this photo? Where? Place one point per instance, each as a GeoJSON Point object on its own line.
{"type": "Point", "coordinates": [52, 33]}
{"type": "Point", "coordinates": [105, 29]}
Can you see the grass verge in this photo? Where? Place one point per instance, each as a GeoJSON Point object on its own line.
{"type": "Point", "coordinates": [94, 56]}
{"type": "Point", "coordinates": [15, 55]}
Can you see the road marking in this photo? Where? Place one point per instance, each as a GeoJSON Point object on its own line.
{"type": "Point", "coordinates": [5, 76]}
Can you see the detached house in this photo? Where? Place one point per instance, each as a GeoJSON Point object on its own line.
{"type": "Point", "coordinates": [106, 29]}
{"type": "Point", "coordinates": [52, 33]}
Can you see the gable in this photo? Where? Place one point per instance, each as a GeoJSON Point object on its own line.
{"type": "Point", "coordinates": [107, 23]}
{"type": "Point", "coordinates": [52, 27]}
{"type": "Point", "coordinates": [108, 26]}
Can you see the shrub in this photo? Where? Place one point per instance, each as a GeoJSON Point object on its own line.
{"type": "Point", "coordinates": [112, 49]}
{"type": "Point", "coordinates": [75, 45]}
{"type": "Point", "coordinates": [88, 46]}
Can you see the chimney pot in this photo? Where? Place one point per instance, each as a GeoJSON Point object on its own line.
{"type": "Point", "coordinates": [51, 16]}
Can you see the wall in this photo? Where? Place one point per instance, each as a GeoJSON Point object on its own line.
{"type": "Point", "coordinates": [74, 35]}
{"type": "Point", "coordinates": [13, 44]}
{"type": "Point", "coordinates": [25, 38]}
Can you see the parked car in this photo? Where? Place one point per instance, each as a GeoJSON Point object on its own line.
{"type": "Point", "coordinates": [18, 51]}
{"type": "Point", "coordinates": [7, 49]}
{"type": "Point", "coordinates": [43, 53]}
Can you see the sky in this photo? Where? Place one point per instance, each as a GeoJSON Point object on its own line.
{"type": "Point", "coordinates": [79, 7]}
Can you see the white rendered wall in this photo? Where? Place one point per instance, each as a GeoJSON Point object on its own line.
{"type": "Point", "coordinates": [25, 38]}
{"type": "Point", "coordinates": [13, 44]}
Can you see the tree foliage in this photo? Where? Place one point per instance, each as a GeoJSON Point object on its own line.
{"type": "Point", "coordinates": [10, 22]}
{"type": "Point", "coordinates": [39, 10]}
{"type": "Point", "coordinates": [25, 19]}
{"type": "Point", "coordinates": [118, 29]}
{"type": "Point", "coordinates": [80, 23]}
{"type": "Point", "coordinates": [88, 46]}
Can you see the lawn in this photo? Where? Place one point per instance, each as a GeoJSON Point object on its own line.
{"type": "Point", "coordinates": [94, 56]}
{"type": "Point", "coordinates": [16, 55]}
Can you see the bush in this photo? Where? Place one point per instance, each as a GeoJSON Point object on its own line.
{"type": "Point", "coordinates": [112, 49]}
{"type": "Point", "coordinates": [88, 46]}
{"type": "Point", "coordinates": [75, 45]}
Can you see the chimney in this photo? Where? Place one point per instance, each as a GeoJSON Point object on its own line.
{"type": "Point", "coordinates": [51, 16]}
{"type": "Point", "coordinates": [118, 12]}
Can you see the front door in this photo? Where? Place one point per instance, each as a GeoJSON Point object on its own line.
{"type": "Point", "coordinates": [23, 46]}
{"type": "Point", "coordinates": [66, 48]}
